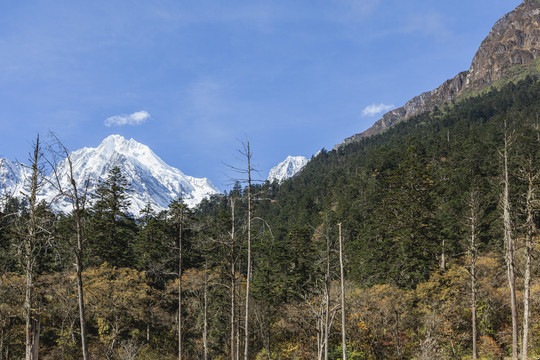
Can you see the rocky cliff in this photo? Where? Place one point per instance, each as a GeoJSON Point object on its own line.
{"type": "Point", "coordinates": [511, 46]}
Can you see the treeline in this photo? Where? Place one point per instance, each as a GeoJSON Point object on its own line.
{"type": "Point", "coordinates": [433, 226]}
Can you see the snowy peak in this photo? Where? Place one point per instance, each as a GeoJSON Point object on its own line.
{"type": "Point", "coordinates": [116, 144]}
{"type": "Point", "coordinates": [12, 176]}
{"type": "Point", "coordinates": [287, 168]}
{"type": "Point", "coordinates": [152, 180]}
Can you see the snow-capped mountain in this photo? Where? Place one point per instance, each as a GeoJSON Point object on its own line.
{"type": "Point", "coordinates": [152, 180]}
{"type": "Point", "coordinates": [287, 168]}
{"type": "Point", "coordinates": [12, 175]}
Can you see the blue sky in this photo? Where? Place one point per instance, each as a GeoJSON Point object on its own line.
{"type": "Point", "coordinates": [191, 79]}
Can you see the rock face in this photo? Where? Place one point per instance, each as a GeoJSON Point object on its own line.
{"type": "Point", "coordinates": [513, 41]}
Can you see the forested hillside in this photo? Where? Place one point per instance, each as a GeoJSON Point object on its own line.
{"type": "Point", "coordinates": [429, 240]}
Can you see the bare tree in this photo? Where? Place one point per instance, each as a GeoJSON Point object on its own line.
{"type": "Point", "coordinates": [205, 313]}
{"type": "Point", "coordinates": [33, 230]}
{"type": "Point", "coordinates": [327, 288]}
{"type": "Point", "coordinates": [233, 281]}
{"type": "Point", "coordinates": [509, 244]}
{"type": "Point", "coordinates": [76, 194]}
{"type": "Point", "coordinates": [473, 221]}
{"type": "Point", "coordinates": [530, 232]}
{"type": "Point", "coordinates": [247, 157]}
{"type": "Point", "coordinates": [343, 334]}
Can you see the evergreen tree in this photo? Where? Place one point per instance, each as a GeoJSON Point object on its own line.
{"type": "Point", "coordinates": [113, 229]}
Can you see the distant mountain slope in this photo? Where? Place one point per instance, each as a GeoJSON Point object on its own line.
{"type": "Point", "coordinates": [401, 195]}
{"type": "Point", "coordinates": [152, 180]}
{"type": "Point", "coordinates": [287, 168]}
{"type": "Point", "coordinates": [508, 51]}
{"type": "Point", "coordinates": [12, 175]}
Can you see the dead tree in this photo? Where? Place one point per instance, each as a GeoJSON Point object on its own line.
{"type": "Point", "coordinates": [343, 334]}
{"type": "Point", "coordinates": [247, 157]}
{"type": "Point", "coordinates": [76, 193]}
{"type": "Point", "coordinates": [509, 244]}
{"type": "Point", "coordinates": [472, 221]}
{"type": "Point", "coordinates": [530, 232]}
{"type": "Point", "coordinates": [33, 230]}
{"type": "Point", "coordinates": [233, 281]}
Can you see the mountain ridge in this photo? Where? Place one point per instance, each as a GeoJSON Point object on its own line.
{"type": "Point", "coordinates": [287, 168]}
{"type": "Point", "coordinates": [514, 40]}
{"type": "Point", "coordinates": [152, 180]}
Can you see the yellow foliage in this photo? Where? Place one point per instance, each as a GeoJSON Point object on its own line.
{"type": "Point", "coordinates": [116, 298]}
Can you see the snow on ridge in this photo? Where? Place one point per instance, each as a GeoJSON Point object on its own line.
{"type": "Point", "coordinates": [287, 168]}
{"type": "Point", "coordinates": [152, 180]}
{"type": "Point", "coordinates": [12, 177]}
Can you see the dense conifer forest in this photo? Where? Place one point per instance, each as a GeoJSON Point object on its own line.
{"type": "Point", "coordinates": [431, 225]}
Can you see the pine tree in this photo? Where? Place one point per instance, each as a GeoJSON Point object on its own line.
{"type": "Point", "coordinates": [113, 229]}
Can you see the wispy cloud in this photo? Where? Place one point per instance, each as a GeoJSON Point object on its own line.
{"type": "Point", "coordinates": [348, 11]}
{"type": "Point", "coordinates": [428, 24]}
{"type": "Point", "coordinates": [136, 118]}
{"type": "Point", "coordinates": [376, 109]}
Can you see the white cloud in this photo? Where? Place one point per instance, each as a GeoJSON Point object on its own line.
{"type": "Point", "coordinates": [136, 118]}
{"type": "Point", "coordinates": [375, 109]}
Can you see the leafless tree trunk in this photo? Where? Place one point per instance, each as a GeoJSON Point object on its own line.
{"type": "Point", "coordinates": [327, 299]}
{"type": "Point", "coordinates": [30, 244]}
{"type": "Point", "coordinates": [180, 258]}
{"type": "Point", "coordinates": [78, 200]}
{"type": "Point", "coordinates": [530, 232]}
{"type": "Point", "coordinates": [36, 325]}
{"type": "Point", "coordinates": [473, 218]}
{"type": "Point", "coordinates": [343, 334]}
{"type": "Point", "coordinates": [1, 335]}
{"type": "Point", "coordinates": [239, 306]}
{"type": "Point", "coordinates": [247, 155]}
{"type": "Point", "coordinates": [509, 247]}
{"type": "Point", "coordinates": [248, 277]}
{"type": "Point", "coordinates": [205, 314]}
{"type": "Point", "coordinates": [233, 282]}
{"type": "Point", "coordinates": [443, 255]}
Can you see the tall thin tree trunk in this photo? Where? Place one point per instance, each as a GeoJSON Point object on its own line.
{"type": "Point", "coordinates": [510, 248]}
{"type": "Point", "coordinates": [343, 334]}
{"type": "Point", "coordinates": [319, 339]}
{"type": "Point", "coordinates": [2, 335]}
{"type": "Point", "coordinates": [320, 333]}
{"type": "Point", "coordinates": [531, 230]}
{"type": "Point", "coordinates": [36, 329]}
{"type": "Point", "coordinates": [248, 280]}
{"type": "Point", "coordinates": [180, 255]}
{"type": "Point", "coordinates": [233, 282]}
{"type": "Point", "coordinates": [205, 314]}
{"type": "Point", "coordinates": [443, 255]}
{"type": "Point", "coordinates": [238, 314]}
{"type": "Point", "coordinates": [78, 201]}
{"type": "Point", "coordinates": [80, 288]}
{"type": "Point", "coordinates": [473, 223]}
{"type": "Point", "coordinates": [29, 245]}
{"type": "Point", "coordinates": [238, 329]}
{"type": "Point", "coordinates": [29, 286]}
{"type": "Point", "coordinates": [327, 300]}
